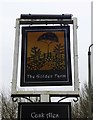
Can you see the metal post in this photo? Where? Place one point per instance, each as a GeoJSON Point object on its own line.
{"type": "Point", "coordinates": [89, 84]}
{"type": "Point", "coordinates": [16, 52]}
{"type": "Point", "coordinates": [75, 52]}
{"type": "Point", "coordinates": [45, 98]}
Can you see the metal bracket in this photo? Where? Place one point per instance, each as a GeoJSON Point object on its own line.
{"type": "Point", "coordinates": [63, 98]}
{"type": "Point", "coordinates": [27, 98]}
{"type": "Point", "coordinates": [41, 98]}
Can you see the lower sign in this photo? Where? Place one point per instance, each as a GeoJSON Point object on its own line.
{"type": "Point", "coordinates": [45, 111]}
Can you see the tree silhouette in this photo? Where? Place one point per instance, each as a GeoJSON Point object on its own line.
{"type": "Point", "coordinates": [8, 108]}
{"type": "Point", "coordinates": [59, 56]}
{"type": "Point", "coordinates": [35, 53]}
{"type": "Point", "coordinates": [48, 38]}
{"type": "Point", "coordinates": [80, 109]}
{"type": "Point", "coordinates": [35, 57]}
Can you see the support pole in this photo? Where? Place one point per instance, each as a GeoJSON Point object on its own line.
{"type": "Point", "coordinates": [75, 53]}
{"type": "Point", "coordinates": [45, 98]}
{"type": "Point", "coordinates": [89, 84]}
{"type": "Point", "coordinates": [16, 53]}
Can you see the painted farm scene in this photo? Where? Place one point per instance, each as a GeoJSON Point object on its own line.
{"type": "Point", "coordinates": [45, 51]}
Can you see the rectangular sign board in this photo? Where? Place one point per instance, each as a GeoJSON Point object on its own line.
{"type": "Point", "coordinates": [45, 56]}
{"type": "Point", "coordinates": [44, 111]}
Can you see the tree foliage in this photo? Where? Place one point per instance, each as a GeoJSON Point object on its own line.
{"type": "Point", "coordinates": [8, 108]}
{"type": "Point", "coordinates": [80, 109]}
{"type": "Point", "coordinates": [54, 60]}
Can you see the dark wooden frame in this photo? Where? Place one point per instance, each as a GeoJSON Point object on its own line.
{"type": "Point", "coordinates": [49, 81]}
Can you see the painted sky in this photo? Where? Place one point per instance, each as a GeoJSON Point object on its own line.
{"type": "Point", "coordinates": [43, 45]}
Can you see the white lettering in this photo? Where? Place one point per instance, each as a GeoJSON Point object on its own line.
{"type": "Point", "coordinates": [52, 115]}
{"type": "Point", "coordinates": [59, 76]}
{"type": "Point", "coordinates": [36, 115]}
{"type": "Point", "coordinates": [30, 76]}
{"type": "Point", "coordinates": [44, 115]}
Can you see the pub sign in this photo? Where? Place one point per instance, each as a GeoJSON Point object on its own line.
{"type": "Point", "coordinates": [45, 56]}
{"type": "Point", "coordinates": [44, 111]}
